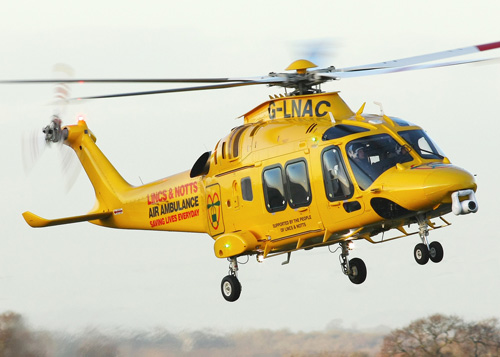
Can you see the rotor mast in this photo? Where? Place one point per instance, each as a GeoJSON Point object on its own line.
{"type": "Point", "coordinates": [303, 81]}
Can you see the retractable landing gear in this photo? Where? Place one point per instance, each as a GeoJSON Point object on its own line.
{"type": "Point", "coordinates": [230, 285]}
{"type": "Point", "coordinates": [355, 268]}
{"type": "Point", "coordinates": [425, 251]}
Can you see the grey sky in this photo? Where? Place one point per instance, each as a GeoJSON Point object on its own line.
{"type": "Point", "coordinates": [83, 275]}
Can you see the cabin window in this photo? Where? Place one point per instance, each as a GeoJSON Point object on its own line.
{"type": "Point", "coordinates": [246, 189]}
{"type": "Point", "coordinates": [274, 190]}
{"type": "Point", "coordinates": [234, 141]}
{"type": "Point", "coordinates": [224, 150]}
{"type": "Point", "coordinates": [297, 181]}
{"type": "Point", "coordinates": [215, 152]}
{"type": "Point", "coordinates": [337, 183]}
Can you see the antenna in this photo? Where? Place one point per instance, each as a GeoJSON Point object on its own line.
{"type": "Point", "coordinates": [381, 108]}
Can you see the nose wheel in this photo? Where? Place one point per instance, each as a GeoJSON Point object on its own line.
{"type": "Point", "coordinates": [425, 251]}
{"type": "Point", "coordinates": [421, 254]}
{"type": "Point", "coordinates": [436, 252]}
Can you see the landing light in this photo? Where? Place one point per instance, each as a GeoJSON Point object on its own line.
{"type": "Point", "coordinates": [260, 258]}
{"type": "Point", "coordinates": [351, 245]}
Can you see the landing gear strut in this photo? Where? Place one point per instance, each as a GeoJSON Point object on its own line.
{"type": "Point", "coordinates": [355, 268]}
{"type": "Point", "coordinates": [230, 285]}
{"type": "Point", "coordinates": [425, 251]}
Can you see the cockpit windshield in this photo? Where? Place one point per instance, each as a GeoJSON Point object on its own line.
{"type": "Point", "coordinates": [371, 156]}
{"type": "Point", "coordinates": [422, 144]}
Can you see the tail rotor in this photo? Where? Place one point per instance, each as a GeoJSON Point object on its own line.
{"type": "Point", "coordinates": [35, 143]}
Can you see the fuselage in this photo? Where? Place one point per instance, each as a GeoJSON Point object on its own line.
{"type": "Point", "coordinates": [300, 172]}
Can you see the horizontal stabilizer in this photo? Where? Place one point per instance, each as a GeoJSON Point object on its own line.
{"type": "Point", "coordinates": [35, 221]}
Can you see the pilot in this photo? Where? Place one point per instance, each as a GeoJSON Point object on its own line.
{"type": "Point", "coordinates": [402, 153]}
{"type": "Point", "coordinates": [358, 155]}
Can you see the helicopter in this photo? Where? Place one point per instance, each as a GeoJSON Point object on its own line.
{"type": "Point", "coordinates": [302, 171]}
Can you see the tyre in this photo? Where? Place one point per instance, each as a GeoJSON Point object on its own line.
{"type": "Point", "coordinates": [358, 271]}
{"type": "Point", "coordinates": [436, 252]}
{"type": "Point", "coordinates": [231, 288]}
{"type": "Point", "coordinates": [421, 254]}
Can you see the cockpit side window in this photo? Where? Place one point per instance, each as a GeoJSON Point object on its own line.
{"type": "Point", "coordinates": [337, 183]}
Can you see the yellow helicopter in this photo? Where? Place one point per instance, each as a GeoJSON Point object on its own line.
{"type": "Point", "coordinates": [302, 171]}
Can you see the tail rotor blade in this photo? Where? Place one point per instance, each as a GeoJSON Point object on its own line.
{"type": "Point", "coordinates": [33, 146]}
{"type": "Point", "coordinates": [69, 167]}
{"type": "Point", "coordinates": [62, 89]}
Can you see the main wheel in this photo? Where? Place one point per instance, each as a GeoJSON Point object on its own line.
{"type": "Point", "coordinates": [231, 288]}
{"type": "Point", "coordinates": [358, 271]}
{"type": "Point", "coordinates": [421, 254]}
{"type": "Point", "coordinates": [436, 252]}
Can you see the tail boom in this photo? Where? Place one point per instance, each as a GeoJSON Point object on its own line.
{"type": "Point", "coordinates": [176, 203]}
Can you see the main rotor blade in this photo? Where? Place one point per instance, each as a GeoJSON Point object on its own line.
{"type": "Point", "coordinates": [270, 80]}
{"type": "Point", "coordinates": [369, 72]}
{"type": "Point", "coordinates": [403, 62]}
{"type": "Point", "coordinates": [130, 80]}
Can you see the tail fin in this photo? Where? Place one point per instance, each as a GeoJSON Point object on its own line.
{"type": "Point", "coordinates": [108, 184]}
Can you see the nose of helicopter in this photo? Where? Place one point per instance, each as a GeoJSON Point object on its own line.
{"type": "Point", "coordinates": [440, 183]}
{"type": "Point", "coordinates": [426, 186]}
